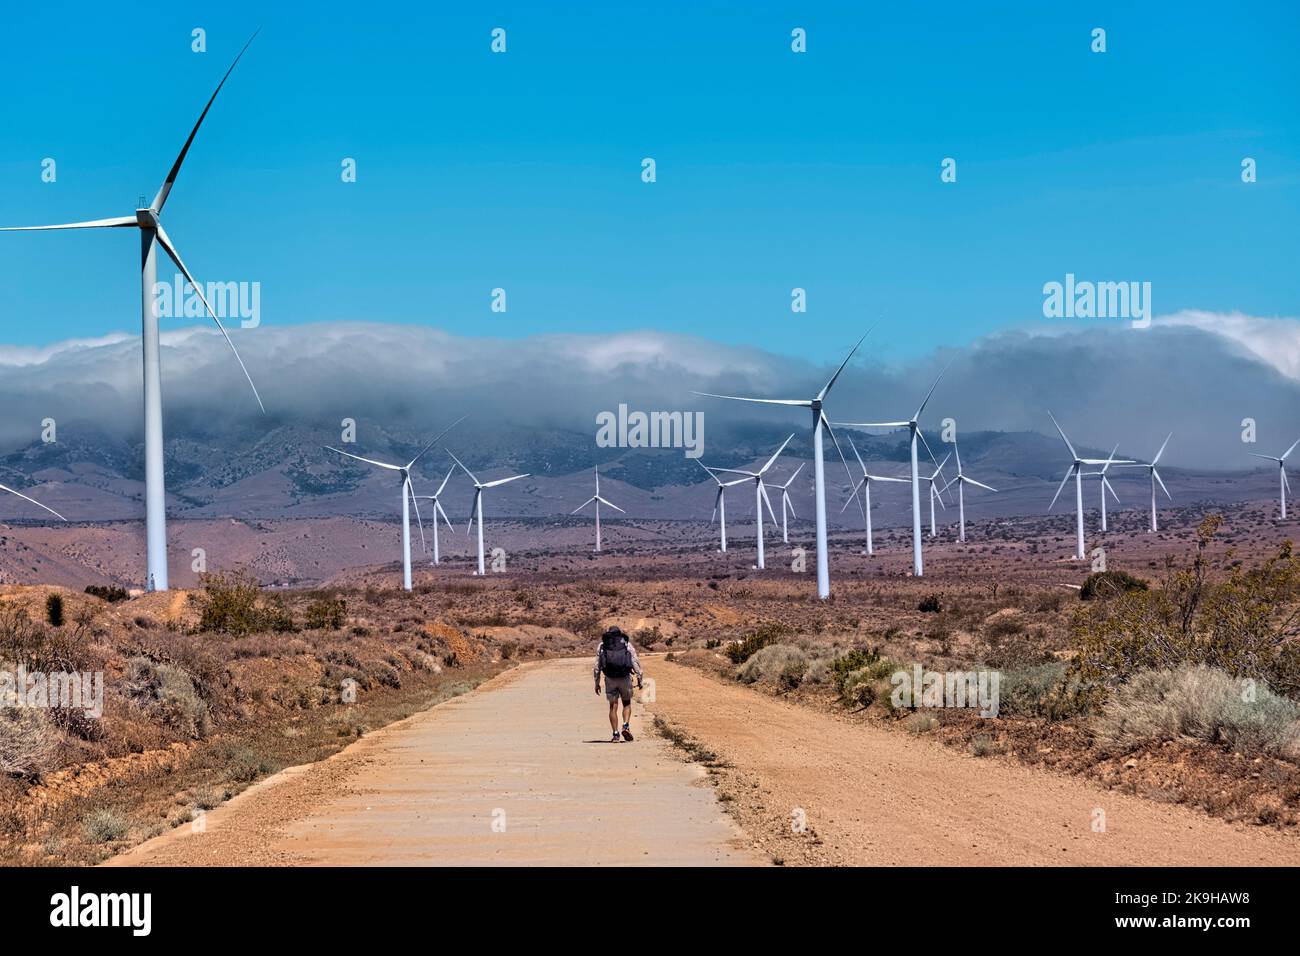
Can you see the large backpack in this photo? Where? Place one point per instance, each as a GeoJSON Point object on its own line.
{"type": "Point", "coordinates": [618, 659]}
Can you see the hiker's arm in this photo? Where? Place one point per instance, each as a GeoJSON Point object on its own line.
{"type": "Point", "coordinates": [636, 662]}
{"type": "Point", "coordinates": [600, 660]}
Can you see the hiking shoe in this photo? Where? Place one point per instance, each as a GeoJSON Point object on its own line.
{"type": "Point", "coordinates": [627, 734]}
{"type": "Point", "coordinates": [616, 739]}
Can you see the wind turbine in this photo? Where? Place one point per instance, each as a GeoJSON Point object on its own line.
{"type": "Point", "coordinates": [1076, 471]}
{"type": "Point", "coordinates": [408, 496]}
{"type": "Point", "coordinates": [760, 495]}
{"type": "Point", "coordinates": [914, 429]}
{"type": "Point", "coordinates": [599, 501]}
{"type": "Point", "coordinates": [819, 420]}
{"type": "Point", "coordinates": [1283, 485]}
{"type": "Point", "coordinates": [865, 484]}
{"type": "Point", "coordinates": [933, 479]}
{"type": "Point", "coordinates": [152, 236]}
{"type": "Point", "coordinates": [962, 480]}
{"type": "Point", "coordinates": [476, 510]}
{"type": "Point", "coordinates": [1105, 484]}
{"type": "Point", "coordinates": [33, 501]}
{"type": "Point", "coordinates": [787, 506]}
{"type": "Point", "coordinates": [437, 510]}
{"type": "Point", "coordinates": [720, 504]}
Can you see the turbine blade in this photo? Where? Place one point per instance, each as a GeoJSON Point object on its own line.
{"type": "Point", "coordinates": [822, 394]}
{"type": "Point", "coordinates": [607, 502]}
{"type": "Point", "coordinates": [762, 493]}
{"type": "Point", "coordinates": [1110, 459]}
{"type": "Point", "coordinates": [716, 499]}
{"type": "Point", "coordinates": [165, 241]}
{"type": "Point", "coordinates": [873, 424]}
{"type": "Point", "coordinates": [1073, 453]}
{"type": "Point", "coordinates": [1291, 449]}
{"type": "Point", "coordinates": [957, 451]}
{"type": "Point", "coordinates": [762, 401]}
{"type": "Point", "coordinates": [368, 461]}
{"type": "Point", "coordinates": [978, 484]}
{"type": "Point", "coordinates": [450, 471]}
{"type": "Point", "coordinates": [117, 222]}
{"type": "Point", "coordinates": [1068, 475]}
{"type": "Point", "coordinates": [787, 503]}
{"type": "Point", "coordinates": [776, 454]}
{"type": "Point", "coordinates": [855, 454]}
{"type": "Point", "coordinates": [439, 510]}
{"type": "Point", "coordinates": [502, 481]}
{"type": "Point", "coordinates": [33, 501]}
{"type": "Point", "coordinates": [1106, 486]}
{"type": "Point", "coordinates": [1162, 448]}
{"type": "Point", "coordinates": [473, 510]}
{"type": "Point", "coordinates": [435, 441]}
{"type": "Point", "coordinates": [708, 472]}
{"type": "Point", "coordinates": [160, 200]}
{"type": "Point", "coordinates": [464, 469]}
{"type": "Point", "coordinates": [736, 481]}
{"type": "Point", "coordinates": [418, 522]}
{"type": "Point", "coordinates": [1255, 454]}
{"type": "Point", "coordinates": [736, 471]}
{"type": "Point", "coordinates": [826, 421]}
{"type": "Point", "coordinates": [926, 400]}
{"type": "Point", "coordinates": [789, 481]}
{"type": "Point", "coordinates": [853, 495]}
{"type": "Point", "coordinates": [583, 505]}
{"type": "Point", "coordinates": [1160, 481]}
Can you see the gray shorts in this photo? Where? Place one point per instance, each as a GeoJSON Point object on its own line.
{"type": "Point", "coordinates": [618, 688]}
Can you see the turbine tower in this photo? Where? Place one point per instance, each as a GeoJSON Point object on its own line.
{"type": "Point", "coordinates": [787, 506]}
{"type": "Point", "coordinates": [476, 510]}
{"type": "Point", "coordinates": [153, 236]}
{"type": "Point", "coordinates": [865, 484]}
{"type": "Point", "coordinates": [720, 504]}
{"type": "Point", "coordinates": [760, 496]}
{"type": "Point", "coordinates": [819, 420]}
{"type": "Point", "coordinates": [408, 496]}
{"type": "Point", "coordinates": [599, 501]}
{"type": "Point", "coordinates": [437, 510]}
{"type": "Point", "coordinates": [1283, 485]}
{"type": "Point", "coordinates": [1105, 484]}
{"type": "Point", "coordinates": [933, 479]}
{"type": "Point", "coordinates": [914, 430]}
{"type": "Point", "coordinates": [961, 481]}
{"type": "Point", "coordinates": [1075, 471]}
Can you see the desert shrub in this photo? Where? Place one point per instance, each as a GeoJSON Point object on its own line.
{"type": "Point", "coordinates": [1003, 625]}
{"type": "Point", "coordinates": [781, 663]}
{"type": "Point", "coordinates": [819, 671]}
{"type": "Point", "coordinates": [29, 741]}
{"type": "Point", "coordinates": [107, 592]}
{"type": "Point", "coordinates": [233, 604]}
{"type": "Point", "coordinates": [930, 604]}
{"type": "Point", "coordinates": [54, 610]}
{"type": "Point", "coordinates": [920, 723]}
{"type": "Point", "coordinates": [105, 826]}
{"type": "Point", "coordinates": [206, 797]}
{"type": "Point", "coordinates": [982, 746]}
{"type": "Point", "coordinates": [855, 660]}
{"type": "Point", "coordinates": [325, 614]}
{"type": "Point", "coordinates": [31, 644]}
{"type": "Point", "coordinates": [1243, 620]}
{"type": "Point", "coordinates": [244, 765]}
{"type": "Point", "coordinates": [1048, 690]}
{"type": "Point", "coordinates": [755, 640]}
{"type": "Point", "coordinates": [167, 693]}
{"type": "Point", "coordinates": [1203, 703]}
{"type": "Point", "coordinates": [1103, 584]}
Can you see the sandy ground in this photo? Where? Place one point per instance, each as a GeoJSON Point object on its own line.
{"type": "Point", "coordinates": [528, 752]}
{"type": "Point", "coordinates": [518, 772]}
{"type": "Point", "coordinates": [881, 796]}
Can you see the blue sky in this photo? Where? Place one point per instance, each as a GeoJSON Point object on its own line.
{"type": "Point", "coordinates": [775, 170]}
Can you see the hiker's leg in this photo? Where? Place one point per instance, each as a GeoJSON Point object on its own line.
{"type": "Point", "coordinates": [613, 715]}
{"type": "Point", "coordinates": [627, 711]}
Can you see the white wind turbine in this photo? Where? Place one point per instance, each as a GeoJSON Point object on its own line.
{"type": "Point", "coordinates": [599, 501]}
{"type": "Point", "coordinates": [865, 484]}
{"type": "Point", "coordinates": [1105, 485]}
{"type": "Point", "coordinates": [787, 506]}
{"type": "Point", "coordinates": [962, 480]}
{"type": "Point", "coordinates": [914, 429]}
{"type": "Point", "coordinates": [476, 510]}
{"type": "Point", "coordinates": [1075, 471]}
{"type": "Point", "coordinates": [819, 420]}
{"type": "Point", "coordinates": [760, 496]}
{"type": "Point", "coordinates": [1154, 477]}
{"type": "Point", "coordinates": [934, 479]}
{"type": "Point", "coordinates": [720, 504]}
{"type": "Point", "coordinates": [152, 236]}
{"type": "Point", "coordinates": [1283, 485]}
{"type": "Point", "coordinates": [408, 496]}
{"type": "Point", "coordinates": [437, 510]}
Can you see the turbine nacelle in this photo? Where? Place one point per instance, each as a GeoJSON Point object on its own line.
{"type": "Point", "coordinates": [146, 218]}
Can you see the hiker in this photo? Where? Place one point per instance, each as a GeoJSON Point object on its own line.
{"type": "Point", "coordinates": [616, 659]}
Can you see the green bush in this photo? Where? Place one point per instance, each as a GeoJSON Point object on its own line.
{"type": "Point", "coordinates": [1048, 690]}
{"type": "Point", "coordinates": [1203, 703]}
{"type": "Point", "coordinates": [107, 592]}
{"type": "Point", "coordinates": [781, 663]}
{"type": "Point", "coordinates": [54, 610]}
{"type": "Point", "coordinates": [326, 614]}
{"type": "Point", "coordinates": [233, 604]}
{"type": "Point", "coordinates": [930, 604]}
{"type": "Point", "coordinates": [167, 693]}
{"type": "Point", "coordinates": [105, 826]}
{"type": "Point", "coordinates": [847, 663]}
{"type": "Point", "coordinates": [1103, 584]}
{"type": "Point", "coordinates": [763, 635]}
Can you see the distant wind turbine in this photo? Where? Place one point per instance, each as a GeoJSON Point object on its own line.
{"type": "Point", "coordinates": [1283, 485]}
{"type": "Point", "coordinates": [408, 495]}
{"type": "Point", "coordinates": [819, 420]}
{"type": "Point", "coordinates": [720, 504]}
{"type": "Point", "coordinates": [599, 501]}
{"type": "Point", "coordinates": [961, 481]}
{"type": "Point", "coordinates": [935, 477]}
{"type": "Point", "coordinates": [437, 510]}
{"type": "Point", "coordinates": [152, 235]}
{"type": "Point", "coordinates": [1105, 484]}
{"type": "Point", "coordinates": [865, 484]}
{"type": "Point", "coordinates": [914, 430]}
{"type": "Point", "coordinates": [787, 506]}
{"type": "Point", "coordinates": [1075, 471]}
{"type": "Point", "coordinates": [760, 496]}
{"type": "Point", "coordinates": [476, 510]}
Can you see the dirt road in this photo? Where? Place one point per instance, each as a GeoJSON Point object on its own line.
{"type": "Point", "coordinates": [528, 752]}
{"type": "Point", "coordinates": [518, 772]}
